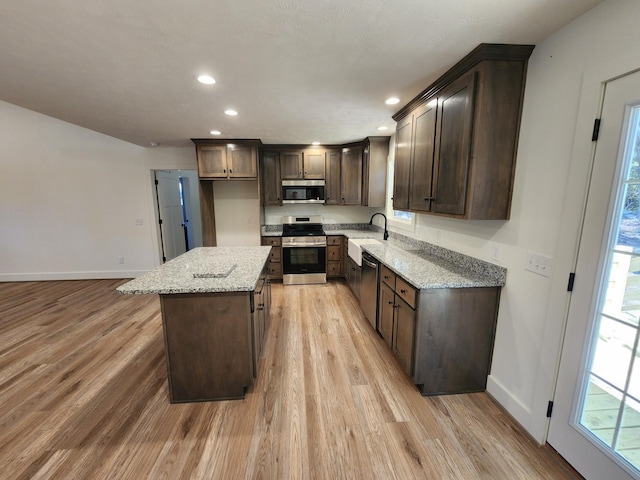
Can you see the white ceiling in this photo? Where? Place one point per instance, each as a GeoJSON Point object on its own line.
{"type": "Point", "coordinates": [296, 71]}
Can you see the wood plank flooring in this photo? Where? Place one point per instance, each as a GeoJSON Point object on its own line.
{"type": "Point", "coordinates": [83, 395]}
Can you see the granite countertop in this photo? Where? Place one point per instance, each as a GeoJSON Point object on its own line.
{"type": "Point", "coordinates": [421, 264]}
{"type": "Point", "coordinates": [203, 270]}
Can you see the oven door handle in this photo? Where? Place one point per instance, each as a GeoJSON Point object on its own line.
{"type": "Point", "coordinates": [286, 244]}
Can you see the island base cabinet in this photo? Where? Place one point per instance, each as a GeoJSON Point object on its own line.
{"type": "Point", "coordinates": [454, 338]}
{"type": "Point", "coordinates": [208, 340]}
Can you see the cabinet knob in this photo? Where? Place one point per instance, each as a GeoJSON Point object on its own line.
{"type": "Point", "coordinates": [224, 170]}
{"type": "Point", "coordinates": [230, 171]}
{"type": "Point", "coordinates": [403, 291]}
{"type": "Point", "coordinates": [390, 302]}
{"type": "Point", "coordinates": [386, 277]}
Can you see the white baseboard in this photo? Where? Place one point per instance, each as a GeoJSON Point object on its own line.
{"type": "Point", "coordinates": [520, 412]}
{"type": "Point", "coordinates": [48, 276]}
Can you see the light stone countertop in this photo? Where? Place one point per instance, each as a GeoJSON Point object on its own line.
{"type": "Point", "coordinates": [203, 270]}
{"type": "Point", "coordinates": [421, 264]}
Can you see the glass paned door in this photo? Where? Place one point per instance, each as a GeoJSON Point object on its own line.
{"type": "Point", "coordinates": [610, 398]}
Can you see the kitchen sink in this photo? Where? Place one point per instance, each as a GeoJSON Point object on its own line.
{"type": "Point", "coordinates": [355, 248]}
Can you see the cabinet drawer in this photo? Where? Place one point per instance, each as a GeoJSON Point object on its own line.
{"type": "Point", "coordinates": [334, 269]}
{"type": "Point", "coordinates": [275, 270]}
{"type": "Point", "coordinates": [388, 277]}
{"type": "Point", "coordinates": [274, 255]}
{"type": "Point", "coordinates": [406, 291]}
{"type": "Point", "coordinates": [334, 240]}
{"type": "Point", "coordinates": [334, 253]}
{"type": "Point", "coordinates": [273, 241]}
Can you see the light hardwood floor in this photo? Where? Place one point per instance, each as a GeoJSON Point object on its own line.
{"type": "Point", "coordinates": [83, 394]}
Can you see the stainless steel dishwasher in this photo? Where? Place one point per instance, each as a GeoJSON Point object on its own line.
{"type": "Point", "coordinates": [369, 289]}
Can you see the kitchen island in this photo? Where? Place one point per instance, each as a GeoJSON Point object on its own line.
{"type": "Point", "coordinates": [214, 304]}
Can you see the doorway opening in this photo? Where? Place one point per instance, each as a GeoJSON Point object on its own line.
{"type": "Point", "coordinates": [177, 212]}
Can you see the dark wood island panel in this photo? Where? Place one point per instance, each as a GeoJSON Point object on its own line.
{"type": "Point", "coordinates": [208, 339]}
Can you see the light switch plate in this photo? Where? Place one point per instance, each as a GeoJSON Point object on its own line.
{"type": "Point", "coordinates": [538, 263]}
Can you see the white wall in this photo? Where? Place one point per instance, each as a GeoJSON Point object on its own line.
{"type": "Point", "coordinates": [330, 213]}
{"type": "Point", "coordinates": [69, 198]}
{"type": "Point", "coordinates": [549, 190]}
{"type": "Point", "coordinates": [237, 213]}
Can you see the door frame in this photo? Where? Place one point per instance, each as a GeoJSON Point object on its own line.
{"type": "Point", "coordinates": [580, 167]}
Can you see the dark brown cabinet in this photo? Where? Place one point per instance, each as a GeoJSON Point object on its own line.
{"type": "Point", "coordinates": [397, 317]}
{"type": "Point", "coordinates": [374, 171]}
{"type": "Point", "coordinates": [270, 175]}
{"type": "Point", "coordinates": [423, 142]}
{"type": "Point", "coordinates": [334, 256]}
{"type": "Point", "coordinates": [299, 164]}
{"type": "Point", "coordinates": [227, 160]}
{"type": "Point", "coordinates": [351, 175]}
{"type": "Point", "coordinates": [442, 337]}
{"type": "Point", "coordinates": [275, 256]}
{"type": "Point", "coordinates": [332, 178]}
{"type": "Point", "coordinates": [457, 140]}
{"type": "Point", "coordinates": [354, 274]}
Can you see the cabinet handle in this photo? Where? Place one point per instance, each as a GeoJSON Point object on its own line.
{"type": "Point", "coordinates": [403, 291]}
{"type": "Point", "coordinates": [230, 171]}
{"type": "Point", "coordinates": [224, 170]}
{"type": "Point", "coordinates": [386, 277]}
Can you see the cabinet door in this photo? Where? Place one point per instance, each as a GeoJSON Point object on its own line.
{"type": "Point", "coordinates": [313, 163]}
{"type": "Point", "coordinates": [402, 164]}
{"type": "Point", "coordinates": [291, 164]}
{"type": "Point", "coordinates": [332, 178]}
{"type": "Point", "coordinates": [453, 145]}
{"type": "Point", "coordinates": [351, 173]}
{"type": "Point", "coordinates": [212, 161]}
{"type": "Point", "coordinates": [271, 178]}
{"type": "Point", "coordinates": [404, 334]}
{"type": "Point", "coordinates": [385, 313]}
{"type": "Point", "coordinates": [424, 135]}
{"type": "Point", "coordinates": [242, 161]}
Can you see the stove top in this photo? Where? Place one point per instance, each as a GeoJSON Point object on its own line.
{"type": "Point", "coordinates": [302, 226]}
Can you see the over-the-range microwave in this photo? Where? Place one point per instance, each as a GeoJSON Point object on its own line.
{"type": "Point", "coordinates": [302, 191]}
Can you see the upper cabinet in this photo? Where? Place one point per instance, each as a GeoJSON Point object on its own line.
{"type": "Point", "coordinates": [227, 159]}
{"type": "Point", "coordinates": [270, 174]}
{"type": "Point", "coordinates": [456, 142]}
{"type": "Point", "coordinates": [353, 174]}
{"type": "Point", "coordinates": [374, 171]}
{"type": "Point", "coordinates": [332, 177]}
{"type": "Point", "coordinates": [302, 164]}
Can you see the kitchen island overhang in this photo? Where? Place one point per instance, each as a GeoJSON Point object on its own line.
{"type": "Point", "coordinates": [214, 305]}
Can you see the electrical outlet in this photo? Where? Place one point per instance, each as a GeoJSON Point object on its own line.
{"type": "Point", "coordinates": [496, 251]}
{"type": "Point", "coordinates": [139, 221]}
{"type": "Point", "coordinates": [539, 264]}
{"type": "Point", "coordinates": [121, 260]}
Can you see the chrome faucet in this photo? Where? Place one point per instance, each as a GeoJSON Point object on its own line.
{"type": "Point", "coordinates": [385, 236]}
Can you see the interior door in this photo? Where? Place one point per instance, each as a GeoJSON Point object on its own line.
{"type": "Point", "coordinates": [596, 417]}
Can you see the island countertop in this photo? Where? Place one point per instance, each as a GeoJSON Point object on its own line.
{"type": "Point", "coordinates": [203, 270]}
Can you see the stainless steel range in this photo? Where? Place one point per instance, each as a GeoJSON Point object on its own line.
{"type": "Point", "coordinates": [304, 250]}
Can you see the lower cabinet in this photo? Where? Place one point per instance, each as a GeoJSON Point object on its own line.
{"type": "Point", "coordinates": [334, 256]}
{"type": "Point", "coordinates": [275, 257]}
{"type": "Point", "coordinates": [261, 309]}
{"type": "Point", "coordinates": [442, 337]}
{"type": "Point", "coordinates": [397, 318]}
{"type": "Point", "coordinates": [353, 276]}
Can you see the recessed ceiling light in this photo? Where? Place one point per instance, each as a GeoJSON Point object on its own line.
{"type": "Point", "coordinates": [382, 128]}
{"type": "Point", "coordinates": [315, 143]}
{"type": "Point", "coordinates": [392, 101]}
{"type": "Point", "coordinates": [154, 144]}
{"type": "Point", "coordinates": [231, 111]}
{"type": "Point", "coordinates": [206, 79]}
{"type": "Point", "coordinates": [215, 132]}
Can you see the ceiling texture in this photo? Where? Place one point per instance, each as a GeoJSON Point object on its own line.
{"type": "Point", "coordinates": [297, 71]}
